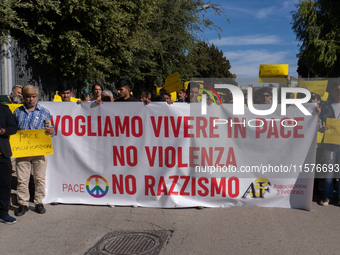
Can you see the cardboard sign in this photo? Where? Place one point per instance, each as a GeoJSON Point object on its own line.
{"type": "Point", "coordinates": [173, 83]}
{"type": "Point", "coordinates": [273, 73]}
{"type": "Point", "coordinates": [273, 70]}
{"type": "Point", "coordinates": [332, 135]}
{"type": "Point", "coordinates": [28, 143]}
{"type": "Point", "coordinates": [318, 87]}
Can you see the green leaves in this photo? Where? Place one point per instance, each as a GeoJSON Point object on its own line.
{"type": "Point", "coordinates": [101, 40]}
{"type": "Point", "coordinates": [317, 26]}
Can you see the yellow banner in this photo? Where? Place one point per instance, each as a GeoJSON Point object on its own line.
{"type": "Point", "coordinates": [12, 107]}
{"type": "Point", "coordinates": [28, 143]}
{"type": "Point", "coordinates": [318, 87]}
{"type": "Point", "coordinates": [332, 135]}
{"type": "Point", "coordinates": [173, 83]}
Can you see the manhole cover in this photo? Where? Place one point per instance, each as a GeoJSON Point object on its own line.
{"type": "Point", "coordinates": [128, 243]}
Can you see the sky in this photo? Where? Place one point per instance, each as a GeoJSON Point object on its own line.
{"type": "Point", "coordinates": [259, 32]}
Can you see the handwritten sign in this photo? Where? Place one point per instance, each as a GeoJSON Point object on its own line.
{"type": "Point", "coordinates": [12, 107]}
{"type": "Point", "coordinates": [332, 135]}
{"type": "Point", "coordinates": [273, 73]}
{"type": "Point", "coordinates": [28, 143]}
{"type": "Point", "coordinates": [318, 87]}
{"type": "Point", "coordinates": [273, 70]}
{"type": "Point", "coordinates": [173, 83]}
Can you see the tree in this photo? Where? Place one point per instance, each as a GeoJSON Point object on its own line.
{"type": "Point", "coordinates": [210, 62]}
{"type": "Point", "coordinates": [101, 40]}
{"type": "Point", "coordinates": [77, 40]}
{"type": "Point", "coordinates": [172, 34]}
{"type": "Point", "coordinates": [317, 26]}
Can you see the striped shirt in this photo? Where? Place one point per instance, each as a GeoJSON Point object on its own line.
{"type": "Point", "coordinates": [35, 119]}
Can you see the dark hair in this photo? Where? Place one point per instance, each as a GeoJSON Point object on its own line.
{"type": "Point", "coordinates": [192, 85]}
{"type": "Point", "coordinates": [166, 93]}
{"type": "Point", "coordinates": [145, 93]}
{"type": "Point", "coordinates": [314, 95]}
{"type": "Point", "coordinates": [158, 98]}
{"type": "Point", "coordinates": [83, 96]}
{"type": "Point", "coordinates": [64, 87]}
{"type": "Point", "coordinates": [124, 82]}
{"type": "Point", "coordinates": [97, 84]}
{"type": "Point", "coordinates": [265, 90]}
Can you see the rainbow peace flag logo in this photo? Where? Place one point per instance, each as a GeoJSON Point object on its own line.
{"type": "Point", "coordinates": [97, 191]}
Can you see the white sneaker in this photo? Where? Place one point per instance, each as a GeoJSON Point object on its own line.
{"type": "Point", "coordinates": [325, 201]}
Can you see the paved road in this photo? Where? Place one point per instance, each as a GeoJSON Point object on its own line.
{"type": "Point", "coordinates": [74, 229]}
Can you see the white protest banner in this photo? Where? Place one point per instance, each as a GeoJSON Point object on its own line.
{"type": "Point", "coordinates": [161, 155]}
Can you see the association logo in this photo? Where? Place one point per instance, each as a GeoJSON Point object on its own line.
{"type": "Point", "coordinates": [257, 189]}
{"type": "Point", "coordinates": [96, 182]}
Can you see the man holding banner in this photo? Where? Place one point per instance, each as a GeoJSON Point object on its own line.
{"type": "Point", "coordinates": [124, 87]}
{"type": "Point", "coordinates": [32, 116]}
{"type": "Point", "coordinates": [330, 110]}
{"type": "Point", "coordinates": [7, 127]}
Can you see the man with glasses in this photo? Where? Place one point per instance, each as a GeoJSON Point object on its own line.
{"type": "Point", "coordinates": [265, 96]}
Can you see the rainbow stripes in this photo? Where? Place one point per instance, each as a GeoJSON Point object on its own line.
{"type": "Point", "coordinates": [97, 191]}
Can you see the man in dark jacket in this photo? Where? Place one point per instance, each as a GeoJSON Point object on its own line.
{"type": "Point", "coordinates": [330, 109]}
{"type": "Point", "coordinates": [8, 126]}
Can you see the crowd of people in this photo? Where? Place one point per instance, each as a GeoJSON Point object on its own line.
{"type": "Point", "coordinates": [31, 115]}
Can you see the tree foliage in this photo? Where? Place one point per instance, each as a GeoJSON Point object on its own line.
{"type": "Point", "coordinates": [101, 40]}
{"type": "Point", "coordinates": [317, 26]}
{"type": "Point", "coordinates": [209, 62]}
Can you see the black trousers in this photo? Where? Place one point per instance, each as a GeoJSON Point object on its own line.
{"type": "Point", "coordinates": [5, 183]}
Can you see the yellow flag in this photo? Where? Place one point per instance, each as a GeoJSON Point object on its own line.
{"type": "Point", "coordinates": [12, 107]}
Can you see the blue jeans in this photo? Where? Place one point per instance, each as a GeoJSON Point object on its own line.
{"type": "Point", "coordinates": [331, 157]}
